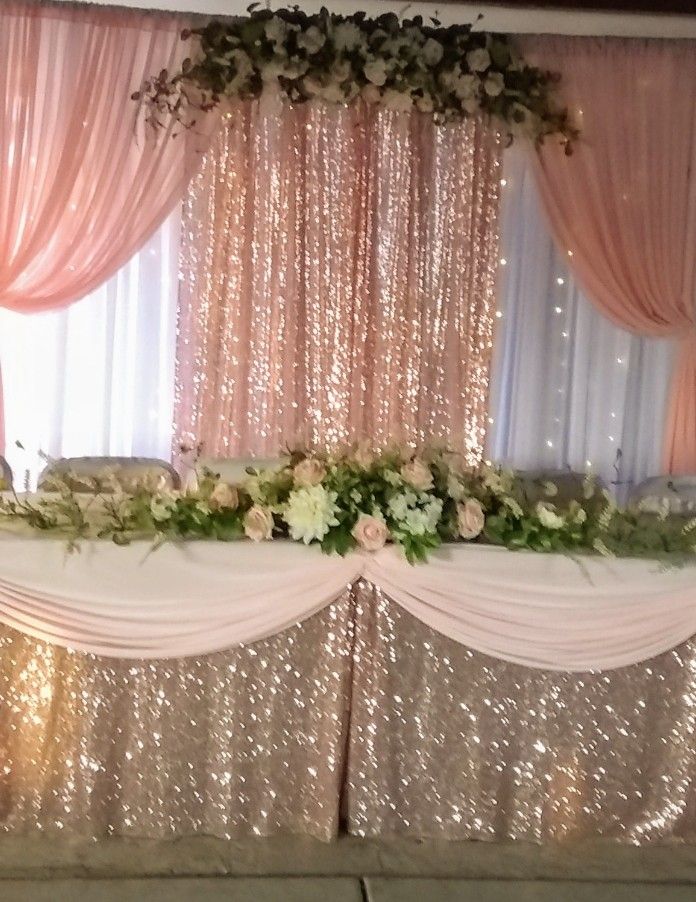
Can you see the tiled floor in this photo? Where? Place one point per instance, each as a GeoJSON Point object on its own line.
{"type": "Point", "coordinates": [65, 869]}
{"type": "Point", "coordinates": [341, 889]}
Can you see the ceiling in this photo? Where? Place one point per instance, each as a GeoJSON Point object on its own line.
{"type": "Point", "coordinates": [631, 18]}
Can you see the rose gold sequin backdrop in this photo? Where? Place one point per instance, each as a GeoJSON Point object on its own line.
{"type": "Point", "coordinates": [361, 710]}
{"type": "Point", "coordinates": [338, 270]}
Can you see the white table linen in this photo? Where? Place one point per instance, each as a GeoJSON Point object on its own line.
{"type": "Point", "coordinates": [544, 611]}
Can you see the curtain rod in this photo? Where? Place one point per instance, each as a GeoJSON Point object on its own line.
{"type": "Point", "coordinates": [513, 20]}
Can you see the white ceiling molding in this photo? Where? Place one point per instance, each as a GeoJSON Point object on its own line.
{"type": "Point", "coordinates": [512, 20]}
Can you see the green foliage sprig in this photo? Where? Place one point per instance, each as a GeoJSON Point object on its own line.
{"type": "Point", "coordinates": [358, 499]}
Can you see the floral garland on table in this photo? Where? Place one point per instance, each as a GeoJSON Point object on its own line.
{"type": "Point", "coordinates": [358, 499]}
{"type": "Point", "coordinates": [451, 73]}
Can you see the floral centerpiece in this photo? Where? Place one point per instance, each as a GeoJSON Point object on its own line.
{"type": "Point", "coordinates": [448, 72]}
{"type": "Point", "coordinates": [360, 499]}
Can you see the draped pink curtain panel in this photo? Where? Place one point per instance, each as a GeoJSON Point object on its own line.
{"type": "Point", "coordinates": [624, 204]}
{"type": "Point", "coordinates": [83, 181]}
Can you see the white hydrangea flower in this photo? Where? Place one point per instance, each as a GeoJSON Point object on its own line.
{"type": "Point", "coordinates": [310, 513]}
{"type": "Point", "coordinates": [311, 40]}
{"type": "Point", "coordinates": [466, 87]}
{"type": "Point", "coordinates": [347, 36]}
{"type": "Point", "coordinates": [425, 104]}
{"type": "Point", "coordinates": [376, 71]}
{"type": "Point", "coordinates": [478, 60]}
{"type": "Point", "coordinates": [432, 52]}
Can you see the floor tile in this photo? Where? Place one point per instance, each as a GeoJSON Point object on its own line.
{"type": "Point", "coordinates": [205, 889]}
{"type": "Point", "coordinates": [417, 890]}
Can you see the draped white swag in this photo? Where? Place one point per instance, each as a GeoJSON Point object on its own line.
{"type": "Point", "coordinates": [544, 611]}
{"type": "Point", "coordinates": [568, 387]}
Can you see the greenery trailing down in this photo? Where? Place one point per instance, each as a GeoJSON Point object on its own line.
{"type": "Point", "coordinates": [448, 72]}
{"type": "Point", "coordinates": [358, 499]}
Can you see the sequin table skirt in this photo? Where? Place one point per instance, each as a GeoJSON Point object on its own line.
{"type": "Point", "coordinates": [361, 719]}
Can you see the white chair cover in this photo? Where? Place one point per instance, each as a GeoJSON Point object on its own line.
{"type": "Point", "coordinates": [679, 492]}
{"type": "Point", "coordinates": [129, 471]}
{"type": "Point", "coordinates": [5, 473]}
{"type": "Point", "coordinates": [234, 469]}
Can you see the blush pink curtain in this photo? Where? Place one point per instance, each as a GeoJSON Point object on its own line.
{"type": "Point", "coordinates": [338, 280]}
{"type": "Point", "coordinates": [82, 186]}
{"type": "Point", "coordinates": [624, 204]}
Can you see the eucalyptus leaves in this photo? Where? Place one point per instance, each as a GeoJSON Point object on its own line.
{"type": "Point", "coordinates": [359, 499]}
{"type": "Point", "coordinates": [450, 72]}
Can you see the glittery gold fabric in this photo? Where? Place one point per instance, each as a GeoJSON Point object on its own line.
{"type": "Point", "coordinates": [361, 710]}
{"type": "Point", "coordinates": [244, 742]}
{"type": "Point", "coordinates": [338, 269]}
{"type": "Point", "coordinates": [447, 742]}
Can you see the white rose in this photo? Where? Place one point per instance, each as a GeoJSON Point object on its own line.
{"type": "Point", "coordinates": [494, 84]}
{"type": "Point", "coordinates": [309, 471]}
{"type": "Point", "coordinates": [425, 104]}
{"type": "Point", "coordinates": [432, 52]}
{"type": "Point", "coordinates": [417, 474]}
{"type": "Point", "coordinates": [311, 40]}
{"type": "Point", "coordinates": [370, 533]}
{"type": "Point", "coordinates": [258, 523]}
{"type": "Point", "coordinates": [466, 87]}
{"type": "Point", "coordinates": [224, 495]}
{"type": "Point", "coordinates": [548, 516]}
{"type": "Point", "coordinates": [347, 36]}
{"type": "Point", "coordinates": [470, 519]}
{"type": "Point", "coordinates": [376, 71]}
{"type": "Point", "coordinates": [550, 488]}
{"type": "Point", "coordinates": [310, 513]}
{"type": "Point", "coordinates": [398, 101]}
{"type": "Point", "coordinates": [478, 60]}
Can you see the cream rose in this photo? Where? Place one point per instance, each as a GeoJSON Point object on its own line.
{"type": "Point", "coordinates": [258, 523]}
{"type": "Point", "coordinates": [370, 533]}
{"type": "Point", "coordinates": [309, 471]}
{"type": "Point", "coordinates": [224, 495]}
{"type": "Point", "coordinates": [470, 519]}
{"type": "Point", "coordinates": [417, 474]}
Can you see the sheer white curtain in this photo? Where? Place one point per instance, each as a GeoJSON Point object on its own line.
{"type": "Point", "coordinates": [98, 377]}
{"type": "Point", "coordinates": [569, 389]}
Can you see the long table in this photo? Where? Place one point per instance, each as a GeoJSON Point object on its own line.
{"type": "Point", "coordinates": [241, 689]}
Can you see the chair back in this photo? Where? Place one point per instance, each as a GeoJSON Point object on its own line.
{"type": "Point", "coordinates": [129, 472]}
{"type": "Point", "coordinates": [570, 485]}
{"type": "Point", "coordinates": [5, 474]}
{"type": "Point", "coordinates": [234, 469]}
{"type": "Point", "coordinates": [678, 491]}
